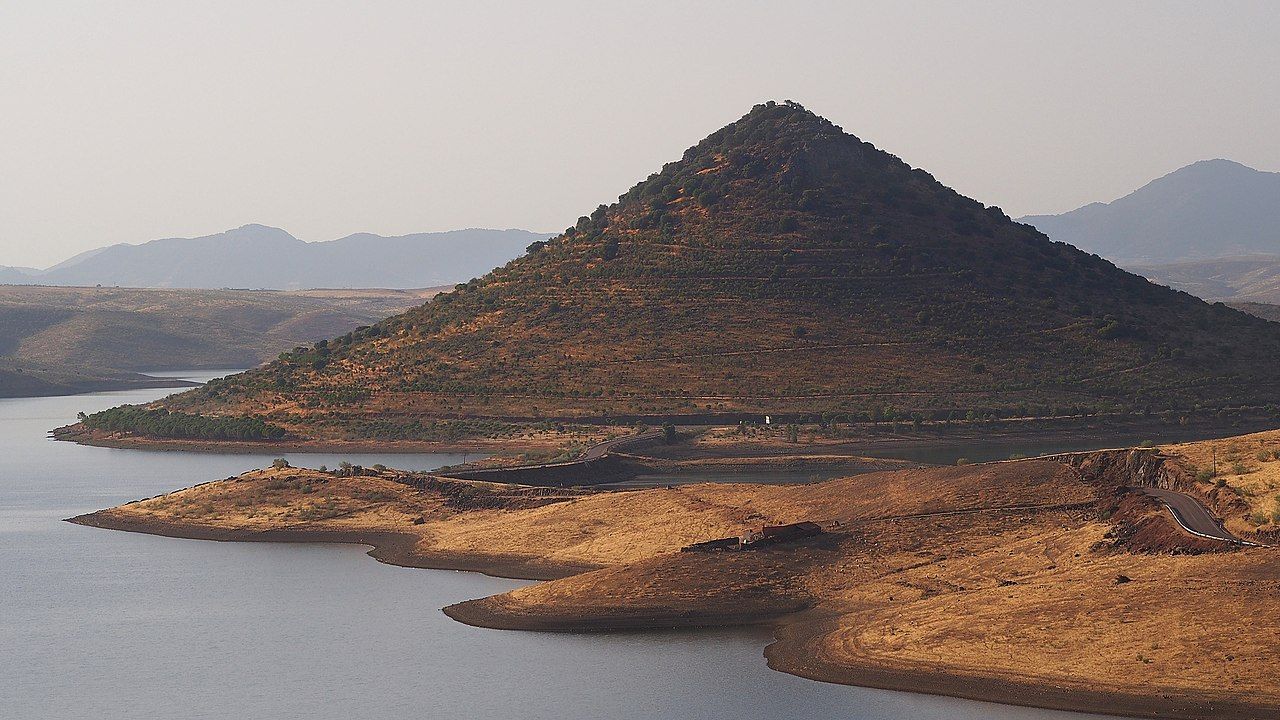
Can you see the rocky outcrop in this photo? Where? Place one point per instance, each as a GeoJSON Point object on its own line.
{"type": "Point", "coordinates": [1129, 468]}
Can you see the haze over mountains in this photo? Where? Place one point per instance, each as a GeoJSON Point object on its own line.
{"type": "Point", "coordinates": [1239, 279]}
{"type": "Point", "coordinates": [261, 257]}
{"type": "Point", "coordinates": [781, 266]}
{"type": "Point", "coordinates": [1211, 228]}
{"type": "Point", "coordinates": [61, 340]}
{"type": "Point", "coordinates": [1209, 209]}
{"type": "Point", "coordinates": [16, 276]}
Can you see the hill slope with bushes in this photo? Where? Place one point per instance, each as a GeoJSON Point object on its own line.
{"type": "Point", "coordinates": [780, 266]}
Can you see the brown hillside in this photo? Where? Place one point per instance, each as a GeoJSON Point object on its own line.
{"type": "Point", "coordinates": [781, 266]}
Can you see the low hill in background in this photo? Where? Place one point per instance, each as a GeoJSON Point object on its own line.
{"type": "Point", "coordinates": [1266, 311]}
{"type": "Point", "coordinates": [55, 340]}
{"type": "Point", "coordinates": [1210, 209]}
{"type": "Point", "coordinates": [781, 266]}
{"type": "Point", "coordinates": [16, 275]}
{"type": "Point", "coordinates": [23, 379]}
{"type": "Point", "coordinates": [261, 257]}
{"type": "Point", "coordinates": [1254, 278]}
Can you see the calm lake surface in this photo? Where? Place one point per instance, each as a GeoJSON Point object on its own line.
{"type": "Point", "coordinates": [104, 625]}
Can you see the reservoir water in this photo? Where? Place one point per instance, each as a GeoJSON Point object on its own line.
{"type": "Point", "coordinates": [104, 625]}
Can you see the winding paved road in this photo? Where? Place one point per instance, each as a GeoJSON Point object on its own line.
{"type": "Point", "coordinates": [1192, 516]}
{"type": "Point", "coordinates": [595, 452]}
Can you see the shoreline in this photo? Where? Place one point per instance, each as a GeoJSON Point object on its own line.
{"type": "Point", "coordinates": [250, 447]}
{"type": "Point", "coordinates": [876, 445]}
{"type": "Point", "coordinates": [790, 653]}
{"type": "Point", "coordinates": [482, 613]}
{"type": "Point", "coordinates": [387, 547]}
{"type": "Point", "coordinates": [796, 629]}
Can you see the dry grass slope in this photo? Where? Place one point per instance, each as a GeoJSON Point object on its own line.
{"type": "Point", "coordinates": [1248, 476]}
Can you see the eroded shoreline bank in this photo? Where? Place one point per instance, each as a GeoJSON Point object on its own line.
{"type": "Point", "coordinates": [392, 548]}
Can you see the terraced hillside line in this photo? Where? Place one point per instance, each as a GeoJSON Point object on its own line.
{"type": "Point", "coordinates": [807, 348]}
{"type": "Point", "coordinates": [761, 351]}
{"type": "Point", "coordinates": [1123, 371]}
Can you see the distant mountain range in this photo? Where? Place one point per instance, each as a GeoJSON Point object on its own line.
{"type": "Point", "coordinates": [16, 276]}
{"type": "Point", "coordinates": [62, 340]}
{"type": "Point", "coordinates": [261, 257]}
{"type": "Point", "coordinates": [1209, 209]}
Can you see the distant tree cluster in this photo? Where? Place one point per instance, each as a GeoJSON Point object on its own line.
{"type": "Point", "coordinates": [166, 424]}
{"type": "Point", "coordinates": [426, 429]}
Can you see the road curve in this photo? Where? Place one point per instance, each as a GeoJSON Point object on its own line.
{"type": "Point", "coordinates": [1192, 516]}
{"type": "Point", "coordinates": [595, 452]}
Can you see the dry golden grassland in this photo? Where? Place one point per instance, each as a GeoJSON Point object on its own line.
{"type": "Point", "coordinates": [597, 528]}
{"type": "Point", "coordinates": [1248, 465]}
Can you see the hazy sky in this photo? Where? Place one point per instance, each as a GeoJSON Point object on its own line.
{"type": "Point", "coordinates": [129, 120]}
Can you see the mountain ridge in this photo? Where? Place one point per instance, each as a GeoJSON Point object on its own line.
{"type": "Point", "coordinates": [264, 257]}
{"type": "Point", "coordinates": [1210, 208]}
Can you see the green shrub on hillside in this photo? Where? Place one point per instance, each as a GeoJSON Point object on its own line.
{"type": "Point", "coordinates": [166, 424]}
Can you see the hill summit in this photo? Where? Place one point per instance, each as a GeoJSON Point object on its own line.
{"type": "Point", "coordinates": [780, 266]}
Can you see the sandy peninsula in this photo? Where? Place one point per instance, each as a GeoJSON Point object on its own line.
{"type": "Point", "coordinates": [1051, 582]}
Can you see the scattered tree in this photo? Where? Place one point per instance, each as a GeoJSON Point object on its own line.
{"type": "Point", "coordinates": [669, 433]}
